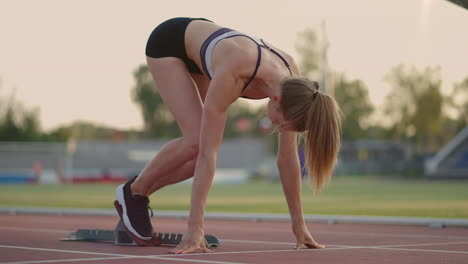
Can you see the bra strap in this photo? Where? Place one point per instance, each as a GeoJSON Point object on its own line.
{"type": "Point", "coordinates": [279, 55]}
{"type": "Point", "coordinates": [256, 67]}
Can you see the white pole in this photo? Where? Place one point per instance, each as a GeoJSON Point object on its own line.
{"type": "Point", "coordinates": [71, 148]}
{"type": "Point", "coordinates": [324, 57]}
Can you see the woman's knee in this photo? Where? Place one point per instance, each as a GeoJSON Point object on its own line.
{"type": "Point", "coordinates": [192, 147]}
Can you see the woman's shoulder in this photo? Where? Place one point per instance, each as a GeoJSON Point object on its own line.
{"type": "Point", "coordinates": [238, 55]}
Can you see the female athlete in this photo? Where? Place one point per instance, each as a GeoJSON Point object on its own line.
{"type": "Point", "coordinates": [200, 68]}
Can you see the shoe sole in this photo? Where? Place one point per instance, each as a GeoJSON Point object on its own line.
{"type": "Point", "coordinates": [122, 211]}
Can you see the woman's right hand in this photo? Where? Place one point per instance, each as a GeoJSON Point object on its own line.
{"type": "Point", "coordinates": [192, 241]}
{"type": "Point", "coordinates": [303, 238]}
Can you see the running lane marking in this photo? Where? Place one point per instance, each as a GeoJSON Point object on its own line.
{"type": "Point", "coordinates": [345, 246]}
{"type": "Point", "coordinates": [418, 245]}
{"type": "Point", "coordinates": [62, 260]}
{"type": "Point", "coordinates": [110, 254]}
{"type": "Point", "coordinates": [67, 251]}
{"type": "Point", "coordinates": [338, 248]}
{"type": "Point", "coordinates": [286, 230]}
{"type": "Point", "coordinates": [257, 242]}
{"type": "Point", "coordinates": [256, 251]}
{"type": "Point", "coordinates": [422, 250]}
{"type": "Point", "coordinates": [109, 258]}
{"type": "Point", "coordinates": [270, 242]}
{"type": "Point", "coordinates": [197, 260]}
{"type": "Point", "coordinates": [34, 229]}
{"type": "Point", "coordinates": [390, 235]}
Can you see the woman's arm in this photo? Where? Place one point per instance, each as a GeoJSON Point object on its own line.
{"type": "Point", "coordinates": [290, 175]}
{"type": "Point", "coordinates": [211, 134]}
{"type": "Point", "coordinates": [224, 89]}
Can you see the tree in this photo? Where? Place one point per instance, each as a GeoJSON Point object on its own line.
{"type": "Point", "coordinates": [307, 47]}
{"type": "Point", "coordinates": [85, 130]}
{"type": "Point", "coordinates": [19, 124]}
{"type": "Point", "coordinates": [351, 95]}
{"type": "Point", "coordinates": [353, 98]}
{"type": "Point", "coordinates": [458, 102]}
{"type": "Point", "coordinates": [414, 105]}
{"type": "Point", "coordinates": [157, 119]}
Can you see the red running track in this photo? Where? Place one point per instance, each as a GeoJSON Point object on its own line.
{"type": "Point", "coordinates": [35, 239]}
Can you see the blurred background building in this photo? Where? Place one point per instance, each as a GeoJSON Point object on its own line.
{"type": "Point", "coordinates": [240, 159]}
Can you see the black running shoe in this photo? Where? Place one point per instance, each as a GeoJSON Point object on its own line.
{"type": "Point", "coordinates": [133, 210]}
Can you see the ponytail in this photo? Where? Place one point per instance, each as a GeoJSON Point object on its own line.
{"type": "Point", "coordinates": [322, 139]}
{"type": "Point", "coordinates": [318, 116]}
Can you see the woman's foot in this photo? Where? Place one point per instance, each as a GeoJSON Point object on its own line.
{"type": "Point", "coordinates": [133, 210]}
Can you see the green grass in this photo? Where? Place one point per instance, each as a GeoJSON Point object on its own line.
{"type": "Point", "coordinates": [350, 195]}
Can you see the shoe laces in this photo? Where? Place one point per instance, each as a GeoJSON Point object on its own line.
{"type": "Point", "coordinates": [142, 205]}
{"type": "Point", "coordinates": [151, 210]}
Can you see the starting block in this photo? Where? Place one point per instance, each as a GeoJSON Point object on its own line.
{"type": "Point", "coordinates": [121, 237]}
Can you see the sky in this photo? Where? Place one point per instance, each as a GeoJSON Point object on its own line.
{"type": "Point", "coordinates": [73, 60]}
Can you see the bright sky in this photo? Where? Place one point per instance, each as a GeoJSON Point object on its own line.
{"type": "Point", "coordinates": [74, 59]}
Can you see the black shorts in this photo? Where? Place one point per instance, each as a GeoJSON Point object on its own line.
{"type": "Point", "coordinates": [168, 40]}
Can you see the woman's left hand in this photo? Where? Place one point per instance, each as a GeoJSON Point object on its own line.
{"type": "Point", "coordinates": [303, 238]}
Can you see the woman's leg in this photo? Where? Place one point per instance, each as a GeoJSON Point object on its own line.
{"type": "Point", "coordinates": [180, 174]}
{"type": "Point", "coordinates": [183, 100]}
{"type": "Point", "coordinates": [185, 171]}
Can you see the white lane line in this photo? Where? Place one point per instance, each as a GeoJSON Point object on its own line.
{"type": "Point", "coordinates": [287, 230]}
{"type": "Point", "coordinates": [256, 242]}
{"type": "Point", "coordinates": [271, 242]}
{"type": "Point", "coordinates": [34, 229]}
{"type": "Point", "coordinates": [422, 250]}
{"type": "Point", "coordinates": [62, 260]}
{"type": "Point", "coordinates": [67, 251]}
{"type": "Point", "coordinates": [345, 246]}
{"type": "Point", "coordinates": [339, 247]}
{"type": "Point", "coordinates": [117, 258]}
{"type": "Point", "coordinates": [312, 250]}
{"type": "Point", "coordinates": [389, 235]}
{"type": "Point", "coordinates": [252, 251]}
{"type": "Point", "coordinates": [197, 260]}
{"type": "Point", "coordinates": [116, 255]}
{"type": "Point", "coordinates": [419, 245]}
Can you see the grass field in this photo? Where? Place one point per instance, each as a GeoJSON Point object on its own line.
{"type": "Point", "coordinates": [350, 195]}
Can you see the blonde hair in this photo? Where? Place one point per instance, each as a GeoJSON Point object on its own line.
{"type": "Point", "coordinates": [318, 116]}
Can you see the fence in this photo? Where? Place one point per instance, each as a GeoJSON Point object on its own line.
{"type": "Point", "coordinates": [237, 159]}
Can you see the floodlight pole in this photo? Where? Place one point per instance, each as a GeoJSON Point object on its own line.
{"type": "Point", "coordinates": [325, 45]}
{"type": "Point", "coordinates": [71, 149]}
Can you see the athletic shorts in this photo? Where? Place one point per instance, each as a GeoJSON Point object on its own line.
{"type": "Point", "coordinates": [168, 40]}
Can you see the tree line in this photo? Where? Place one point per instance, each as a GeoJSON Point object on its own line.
{"type": "Point", "coordinates": [414, 111]}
